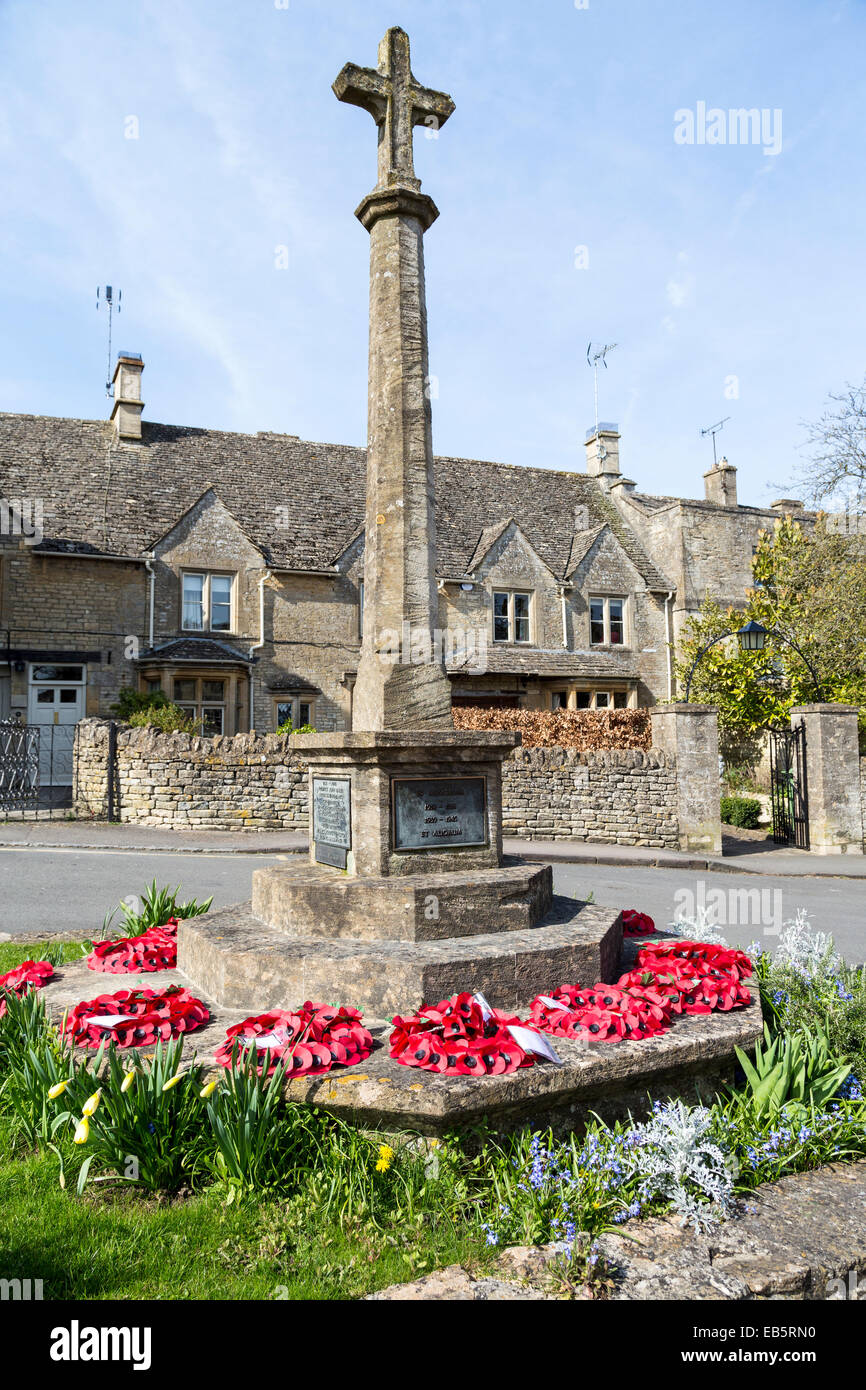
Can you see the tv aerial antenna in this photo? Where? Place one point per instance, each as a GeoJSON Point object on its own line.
{"type": "Point", "coordinates": [111, 299]}
{"type": "Point", "coordinates": [714, 430]}
{"type": "Point", "coordinates": [593, 359]}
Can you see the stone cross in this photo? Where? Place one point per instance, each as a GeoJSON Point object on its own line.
{"type": "Point", "coordinates": [397, 103]}
{"type": "Point", "coordinates": [401, 683]}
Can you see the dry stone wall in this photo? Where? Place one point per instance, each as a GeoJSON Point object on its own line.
{"type": "Point", "coordinates": [615, 796]}
{"type": "Point", "coordinates": [258, 782]}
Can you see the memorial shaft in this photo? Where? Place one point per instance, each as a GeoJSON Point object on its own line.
{"type": "Point", "coordinates": [401, 683]}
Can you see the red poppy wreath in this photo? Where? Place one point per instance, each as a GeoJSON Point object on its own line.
{"type": "Point", "coordinates": [459, 1037]}
{"type": "Point", "coordinates": [636, 923]}
{"type": "Point", "coordinates": [136, 1017]}
{"type": "Point", "coordinates": [602, 1013]}
{"type": "Point", "coordinates": [31, 975]}
{"type": "Point", "coordinates": [309, 1040]}
{"type": "Point", "coordinates": [155, 949]}
{"type": "Point", "coordinates": [680, 977]}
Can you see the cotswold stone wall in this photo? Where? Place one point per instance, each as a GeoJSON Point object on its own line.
{"type": "Point", "coordinates": [258, 782]}
{"type": "Point", "coordinates": [616, 796]}
{"type": "Point", "coordinates": [250, 781]}
{"type": "Point", "coordinates": [863, 798]}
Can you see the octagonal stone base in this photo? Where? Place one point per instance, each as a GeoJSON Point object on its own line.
{"type": "Point", "coordinates": [311, 900]}
{"type": "Point", "coordinates": [242, 963]}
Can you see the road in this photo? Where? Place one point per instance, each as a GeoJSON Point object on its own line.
{"type": "Point", "coordinates": [71, 890]}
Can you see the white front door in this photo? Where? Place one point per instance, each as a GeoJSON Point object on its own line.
{"type": "Point", "coordinates": [56, 700]}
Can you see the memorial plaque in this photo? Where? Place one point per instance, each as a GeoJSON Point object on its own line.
{"type": "Point", "coordinates": [332, 820]}
{"type": "Point", "coordinates": [439, 812]}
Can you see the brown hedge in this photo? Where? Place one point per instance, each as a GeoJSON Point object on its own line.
{"type": "Point", "coordinates": [584, 729]}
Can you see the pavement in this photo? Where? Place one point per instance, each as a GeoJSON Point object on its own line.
{"type": "Point", "coordinates": [740, 856]}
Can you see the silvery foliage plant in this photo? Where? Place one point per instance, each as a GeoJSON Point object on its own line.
{"type": "Point", "coordinates": [677, 1159]}
{"type": "Point", "coordinates": [809, 953]}
{"type": "Point", "coordinates": [699, 927]}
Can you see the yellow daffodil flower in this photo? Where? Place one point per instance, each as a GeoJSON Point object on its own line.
{"type": "Point", "coordinates": [208, 1090]}
{"type": "Point", "coordinates": [91, 1105]}
{"type": "Point", "coordinates": [128, 1081]}
{"type": "Point", "coordinates": [82, 1133]}
{"type": "Point", "coordinates": [58, 1089]}
{"type": "Point", "coordinates": [173, 1080]}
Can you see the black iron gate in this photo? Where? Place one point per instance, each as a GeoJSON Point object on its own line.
{"type": "Point", "coordinates": [19, 766]}
{"type": "Point", "coordinates": [788, 786]}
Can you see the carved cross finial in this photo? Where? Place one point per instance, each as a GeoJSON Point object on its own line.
{"type": "Point", "coordinates": [397, 103]}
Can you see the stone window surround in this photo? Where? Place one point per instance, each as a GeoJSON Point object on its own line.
{"type": "Point", "coordinates": [594, 689]}
{"type": "Point", "coordinates": [512, 590]}
{"type": "Point", "coordinates": [208, 574]}
{"type": "Point", "coordinates": [607, 598]}
{"type": "Point", "coordinates": [298, 700]}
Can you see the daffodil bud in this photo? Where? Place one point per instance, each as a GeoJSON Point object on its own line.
{"type": "Point", "coordinates": [82, 1133]}
{"type": "Point", "coordinates": [128, 1081]}
{"type": "Point", "coordinates": [58, 1088]}
{"type": "Point", "coordinates": [173, 1080]}
{"type": "Point", "coordinates": [91, 1105]}
{"type": "Point", "coordinates": [208, 1090]}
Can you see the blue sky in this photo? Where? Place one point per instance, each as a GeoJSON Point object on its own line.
{"type": "Point", "coordinates": [705, 262]}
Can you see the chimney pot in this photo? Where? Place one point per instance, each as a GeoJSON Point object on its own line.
{"type": "Point", "coordinates": [786, 504]}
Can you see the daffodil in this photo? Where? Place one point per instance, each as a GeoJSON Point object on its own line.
{"type": "Point", "coordinates": [208, 1090]}
{"type": "Point", "coordinates": [58, 1088]}
{"type": "Point", "coordinates": [173, 1080]}
{"type": "Point", "coordinates": [128, 1081]}
{"type": "Point", "coordinates": [82, 1133]}
{"type": "Point", "coordinates": [91, 1105]}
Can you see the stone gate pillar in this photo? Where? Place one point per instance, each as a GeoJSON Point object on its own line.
{"type": "Point", "coordinates": [690, 734]}
{"type": "Point", "coordinates": [832, 777]}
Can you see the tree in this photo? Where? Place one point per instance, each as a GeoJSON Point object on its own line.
{"type": "Point", "coordinates": [811, 585]}
{"type": "Point", "coordinates": [835, 472]}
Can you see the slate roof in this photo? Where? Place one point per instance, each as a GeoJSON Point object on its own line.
{"type": "Point", "coordinates": [194, 649]}
{"type": "Point", "coordinates": [515, 661]}
{"type": "Point", "coordinates": [109, 498]}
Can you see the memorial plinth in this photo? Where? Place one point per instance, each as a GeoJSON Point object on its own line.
{"type": "Point", "coordinates": [414, 803]}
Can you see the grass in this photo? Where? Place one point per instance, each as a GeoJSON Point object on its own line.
{"type": "Point", "coordinates": [114, 1243]}
{"type": "Point", "coordinates": [14, 953]}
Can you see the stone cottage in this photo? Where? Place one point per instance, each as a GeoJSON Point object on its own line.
{"type": "Point", "coordinates": [227, 570]}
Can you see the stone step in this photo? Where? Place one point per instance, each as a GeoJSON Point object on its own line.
{"type": "Point", "coordinates": [308, 901]}
{"type": "Point", "coordinates": [242, 963]}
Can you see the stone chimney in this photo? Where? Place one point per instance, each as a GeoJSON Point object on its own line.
{"type": "Point", "coordinates": [128, 405]}
{"type": "Point", "coordinates": [602, 451]}
{"type": "Point", "coordinates": [720, 484]}
{"type": "Point", "coordinates": [783, 505]}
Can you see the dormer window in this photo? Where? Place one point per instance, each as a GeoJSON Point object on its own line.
{"type": "Point", "coordinates": [607, 622]}
{"type": "Point", "coordinates": [207, 602]}
{"type": "Point", "coordinates": [511, 616]}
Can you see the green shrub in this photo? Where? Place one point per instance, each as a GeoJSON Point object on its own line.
{"type": "Point", "coordinates": [166, 717]}
{"type": "Point", "coordinates": [744, 811]}
{"type": "Point", "coordinates": [289, 728]}
{"type": "Point", "coordinates": [130, 702]}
